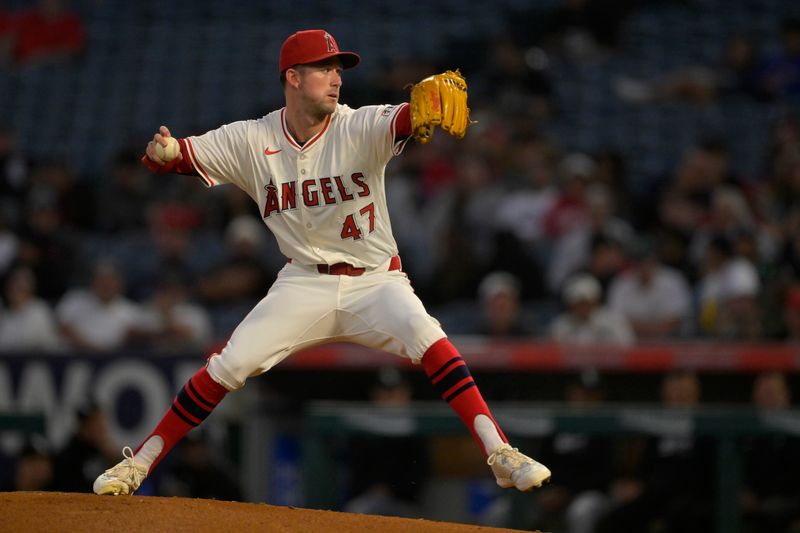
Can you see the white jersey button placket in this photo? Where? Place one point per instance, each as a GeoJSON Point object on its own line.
{"type": "Point", "coordinates": [303, 212]}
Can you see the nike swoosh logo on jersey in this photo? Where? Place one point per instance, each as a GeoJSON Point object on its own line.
{"type": "Point", "coordinates": [270, 152]}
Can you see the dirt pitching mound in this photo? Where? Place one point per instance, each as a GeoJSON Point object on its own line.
{"type": "Point", "coordinates": [28, 512]}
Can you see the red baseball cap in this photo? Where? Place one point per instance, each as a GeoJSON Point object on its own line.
{"type": "Point", "coordinates": [310, 46]}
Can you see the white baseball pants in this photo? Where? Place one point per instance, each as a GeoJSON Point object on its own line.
{"type": "Point", "coordinates": [303, 308]}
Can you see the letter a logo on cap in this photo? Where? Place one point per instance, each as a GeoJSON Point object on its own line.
{"type": "Point", "coordinates": [309, 46]}
{"type": "Point", "coordinates": [330, 42]}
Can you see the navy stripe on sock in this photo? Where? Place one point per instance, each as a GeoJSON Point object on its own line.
{"type": "Point", "coordinates": [190, 406]}
{"type": "Point", "coordinates": [182, 416]}
{"type": "Point", "coordinates": [459, 391]}
{"type": "Point", "coordinates": [209, 406]}
{"type": "Point", "coordinates": [450, 380]}
{"type": "Point", "coordinates": [445, 366]}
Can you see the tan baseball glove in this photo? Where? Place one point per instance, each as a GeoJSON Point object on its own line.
{"type": "Point", "coordinates": [439, 100]}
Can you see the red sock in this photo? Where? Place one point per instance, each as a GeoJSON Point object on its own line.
{"type": "Point", "coordinates": [195, 401]}
{"type": "Point", "coordinates": [449, 374]}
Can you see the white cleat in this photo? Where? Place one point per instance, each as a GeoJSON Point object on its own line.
{"type": "Point", "coordinates": [515, 469]}
{"type": "Point", "coordinates": [124, 478]}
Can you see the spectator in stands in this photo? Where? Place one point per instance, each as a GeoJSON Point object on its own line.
{"type": "Point", "coordinates": [586, 320]}
{"type": "Point", "coordinates": [99, 318]}
{"type": "Point", "coordinates": [728, 215]}
{"type": "Point", "coordinates": [728, 294]}
{"type": "Point", "coordinates": [531, 178]}
{"type": "Point", "coordinates": [770, 497]}
{"type": "Point", "coordinates": [685, 203]}
{"type": "Point", "coordinates": [655, 299]}
{"type": "Point", "coordinates": [89, 448]}
{"type": "Point", "coordinates": [123, 198]}
{"type": "Point", "coordinates": [608, 258]}
{"type": "Point", "coordinates": [572, 252]}
{"type": "Point", "coordinates": [388, 487]}
{"type": "Point", "coordinates": [672, 492]}
{"type": "Point", "coordinates": [568, 215]}
{"type": "Point", "coordinates": [243, 277]}
{"type": "Point", "coordinates": [14, 175]}
{"type": "Point", "coordinates": [46, 33]}
{"type": "Point", "coordinates": [611, 173]}
{"type": "Point", "coordinates": [171, 322]}
{"type": "Point", "coordinates": [27, 322]}
{"type": "Point", "coordinates": [47, 248]}
{"type": "Point", "coordinates": [55, 182]}
{"type": "Point", "coordinates": [673, 250]}
{"type": "Point", "coordinates": [712, 284]}
{"type": "Point", "coordinates": [741, 316]}
{"type": "Point", "coordinates": [9, 245]}
{"type": "Point", "coordinates": [463, 237]}
{"type": "Point", "coordinates": [569, 211]}
{"type": "Point", "coordinates": [573, 502]}
{"type": "Point", "coordinates": [172, 227]}
{"type": "Point", "coordinates": [522, 248]}
{"type": "Point", "coordinates": [778, 197]}
{"type": "Point", "coordinates": [499, 295]}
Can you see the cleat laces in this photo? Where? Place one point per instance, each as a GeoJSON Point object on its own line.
{"type": "Point", "coordinates": [127, 469]}
{"type": "Point", "coordinates": [508, 457]}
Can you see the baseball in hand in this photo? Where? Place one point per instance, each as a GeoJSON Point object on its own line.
{"type": "Point", "coordinates": [168, 152]}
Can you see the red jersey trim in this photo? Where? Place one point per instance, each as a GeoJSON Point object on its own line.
{"type": "Point", "coordinates": [200, 170]}
{"type": "Point", "coordinates": [311, 141]}
{"type": "Point", "coordinates": [397, 113]}
{"type": "Point", "coordinates": [398, 144]}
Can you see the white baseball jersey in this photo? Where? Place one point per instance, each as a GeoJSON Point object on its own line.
{"type": "Point", "coordinates": [324, 201]}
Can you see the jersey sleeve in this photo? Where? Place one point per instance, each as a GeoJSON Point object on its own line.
{"type": "Point", "coordinates": [220, 155]}
{"type": "Point", "coordinates": [380, 126]}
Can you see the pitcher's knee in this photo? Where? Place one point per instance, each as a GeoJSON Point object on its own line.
{"type": "Point", "coordinates": [227, 373]}
{"type": "Point", "coordinates": [423, 332]}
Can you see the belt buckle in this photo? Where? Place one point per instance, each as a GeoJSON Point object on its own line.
{"type": "Point", "coordinates": [340, 269]}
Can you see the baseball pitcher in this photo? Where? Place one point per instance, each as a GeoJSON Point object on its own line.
{"type": "Point", "coordinates": [316, 170]}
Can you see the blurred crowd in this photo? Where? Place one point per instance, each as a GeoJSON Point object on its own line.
{"type": "Point", "coordinates": [512, 232]}
{"type": "Point", "coordinates": [665, 481]}
{"type": "Point", "coordinates": [507, 233]}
